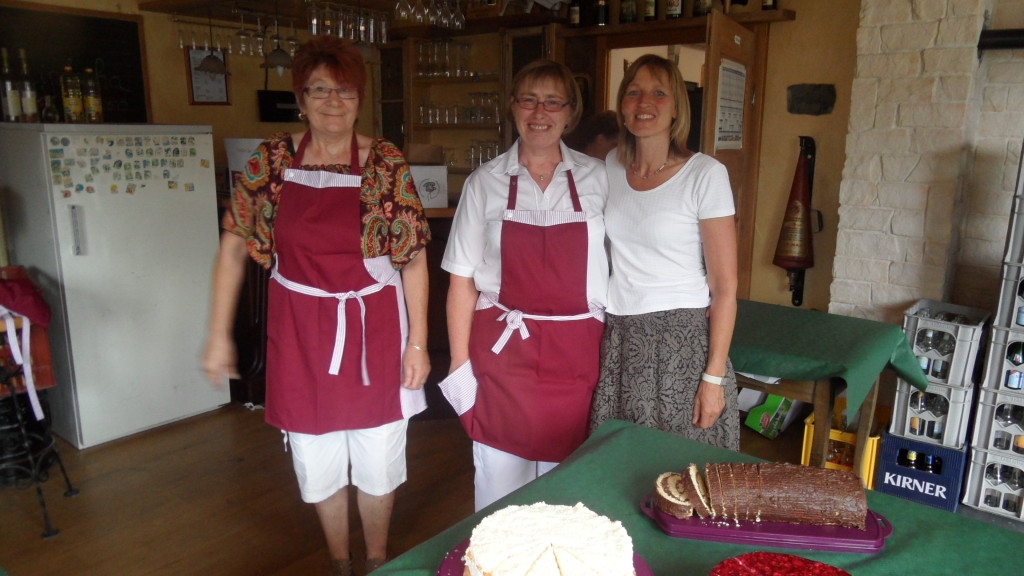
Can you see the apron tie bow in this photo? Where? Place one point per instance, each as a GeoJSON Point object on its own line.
{"type": "Point", "coordinates": [513, 321]}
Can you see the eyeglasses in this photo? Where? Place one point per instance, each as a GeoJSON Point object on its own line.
{"type": "Point", "coordinates": [530, 103]}
{"type": "Point", "coordinates": [323, 92]}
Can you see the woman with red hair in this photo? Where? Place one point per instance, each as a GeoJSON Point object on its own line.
{"type": "Point", "coordinates": [335, 215]}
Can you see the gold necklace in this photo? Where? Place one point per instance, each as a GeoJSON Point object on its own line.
{"type": "Point", "coordinates": [655, 173]}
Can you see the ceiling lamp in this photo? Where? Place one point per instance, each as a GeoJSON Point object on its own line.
{"type": "Point", "coordinates": [278, 59]}
{"type": "Point", "coordinates": [211, 64]}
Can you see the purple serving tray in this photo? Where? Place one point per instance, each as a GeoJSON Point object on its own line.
{"type": "Point", "coordinates": [780, 534]}
{"type": "Point", "coordinates": [452, 564]}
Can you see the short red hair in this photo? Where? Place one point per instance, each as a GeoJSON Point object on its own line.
{"type": "Point", "coordinates": [341, 58]}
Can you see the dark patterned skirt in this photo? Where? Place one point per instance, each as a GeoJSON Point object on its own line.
{"type": "Point", "coordinates": [651, 366]}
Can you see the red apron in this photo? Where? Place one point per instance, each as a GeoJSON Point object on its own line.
{"type": "Point", "coordinates": [534, 391]}
{"type": "Point", "coordinates": [325, 370]}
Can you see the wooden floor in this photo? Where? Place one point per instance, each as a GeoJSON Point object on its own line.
{"type": "Point", "coordinates": [215, 495]}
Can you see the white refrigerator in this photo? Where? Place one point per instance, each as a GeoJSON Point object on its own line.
{"type": "Point", "coordinates": [117, 224]}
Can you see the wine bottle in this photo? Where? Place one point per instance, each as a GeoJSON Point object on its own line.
{"type": "Point", "coordinates": [71, 96]}
{"type": "Point", "coordinates": [627, 11]}
{"type": "Point", "coordinates": [51, 112]}
{"type": "Point", "coordinates": [574, 13]}
{"type": "Point", "coordinates": [92, 100]}
{"type": "Point", "coordinates": [650, 10]}
{"type": "Point", "coordinates": [602, 13]}
{"type": "Point", "coordinates": [673, 9]}
{"type": "Point", "coordinates": [29, 95]}
{"type": "Point", "coordinates": [10, 96]}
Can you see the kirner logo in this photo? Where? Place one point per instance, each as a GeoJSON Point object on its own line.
{"type": "Point", "coordinates": [907, 483]}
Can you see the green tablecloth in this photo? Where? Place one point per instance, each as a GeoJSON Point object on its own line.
{"type": "Point", "coordinates": [798, 344]}
{"type": "Point", "coordinates": [615, 469]}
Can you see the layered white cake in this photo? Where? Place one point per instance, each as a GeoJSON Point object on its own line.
{"type": "Point", "coordinates": [549, 540]}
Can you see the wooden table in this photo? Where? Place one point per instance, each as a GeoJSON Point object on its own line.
{"type": "Point", "coordinates": [818, 355]}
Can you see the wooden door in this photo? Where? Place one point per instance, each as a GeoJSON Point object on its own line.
{"type": "Point", "coordinates": [731, 123]}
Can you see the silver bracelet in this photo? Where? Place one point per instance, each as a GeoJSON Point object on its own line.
{"type": "Point", "coordinates": [716, 380]}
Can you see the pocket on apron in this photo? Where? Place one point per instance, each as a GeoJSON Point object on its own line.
{"type": "Point", "coordinates": [459, 388]}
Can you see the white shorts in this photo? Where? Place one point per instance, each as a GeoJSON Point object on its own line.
{"type": "Point", "coordinates": [377, 456]}
{"type": "Point", "coordinates": [499, 473]}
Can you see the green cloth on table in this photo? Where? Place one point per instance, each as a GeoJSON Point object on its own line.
{"type": "Point", "coordinates": [615, 470]}
{"type": "Point", "coordinates": [798, 344]}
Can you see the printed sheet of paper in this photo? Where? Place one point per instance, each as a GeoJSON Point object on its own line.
{"type": "Point", "coordinates": [732, 83]}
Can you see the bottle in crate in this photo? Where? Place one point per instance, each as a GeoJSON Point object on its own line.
{"type": "Point", "coordinates": [995, 484]}
{"type": "Point", "coordinates": [938, 415]}
{"type": "Point", "coordinates": [946, 339]}
{"type": "Point", "coordinates": [999, 424]}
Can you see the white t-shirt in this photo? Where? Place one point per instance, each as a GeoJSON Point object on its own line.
{"type": "Point", "coordinates": [474, 244]}
{"type": "Point", "coordinates": [655, 244]}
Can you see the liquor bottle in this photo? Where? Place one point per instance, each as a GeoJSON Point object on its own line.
{"type": "Point", "coordinates": [627, 11]}
{"type": "Point", "coordinates": [29, 104]}
{"type": "Point", "coordinates": [51, 112]}
{"type": "Point", "coordinates": [602, 13]}
{"type": "Point", "coordinates": [10, 97]}
{"type": "Point", "coordinates": [673, 9]}
{"type": "Point", "coordinates": [71, 96]}
{"type": "Point", "coordinates": [650, 10]}
{"type": "Point", "coordinates": [92, 100]}
{"type": "Point", "coordinates": [574, 13]}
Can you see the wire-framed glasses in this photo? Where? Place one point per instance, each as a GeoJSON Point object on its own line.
{"type": "Point", "coordinates": [323, 92]}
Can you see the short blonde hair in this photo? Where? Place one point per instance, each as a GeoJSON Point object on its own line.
{"type": "Point", "coordinates": [543, 69]}
{"type": "Point", "coordinates": [679, 131]}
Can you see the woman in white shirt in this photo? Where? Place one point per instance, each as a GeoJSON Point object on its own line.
{"type": "Point", "coordinates": [529, 278]}
{"type": "Point", "coordinates": [672, 292]}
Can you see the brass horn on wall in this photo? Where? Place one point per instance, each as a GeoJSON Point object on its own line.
{"type": "Point", "coordinates": [795, 250]}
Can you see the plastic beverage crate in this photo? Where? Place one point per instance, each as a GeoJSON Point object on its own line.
{"type": "Point", "coordinates": [995, 484]}
{"type": "Point", "coordinates": [939, 415]}
{"type": "Point", "coordinates": [1002, 373]}
{"type": "Point", "coordinates": [1014, 250]}
{"type": "Point", "coordinates": [939, 489]}
{"type": "Point", "coordinates": [843, 444]}
{"type": "Point", "coordinates": [1010, 313]}
{"type": "Point", "coordinates": [954, 367]}
{"type": "Point", "coordinates": [999, 424]}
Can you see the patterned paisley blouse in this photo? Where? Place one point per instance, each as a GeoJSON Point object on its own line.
{"type": "Point", "coordinates": [393, 220]}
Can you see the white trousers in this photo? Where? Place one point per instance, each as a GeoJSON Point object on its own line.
{"type": "Point", "coordinates": [498, 473]}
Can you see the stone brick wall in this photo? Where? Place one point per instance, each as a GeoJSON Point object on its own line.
{"type": "Point", "coordinates": [932, 156]}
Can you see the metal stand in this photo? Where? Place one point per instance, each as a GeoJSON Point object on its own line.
{"type": "Point", "coordinates": [35, 470]}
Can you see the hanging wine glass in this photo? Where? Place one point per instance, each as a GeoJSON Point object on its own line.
{"type": "Point", "coordinates": [293, 41]}
{"type": "Point", "coordinates": [433, 13]}
{"type": "Point", "coordinates": [403, 11]}
{"type": "Point", "coordinates": [444, 18]}
{"type": "Point", "coordinates": [419, 13]}
{"type": "Point", "coordinates": [458, 18]}
{"type": "Point", "coordinates": [181, 38]}
{"type": "Point", "coordinates": [244, 37]}
{"type": "Point", "coordinates": [257, 39]}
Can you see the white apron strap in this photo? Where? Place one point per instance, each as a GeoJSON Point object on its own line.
{"type": "Point", "coordinates": [22, 354]}
{"type": "Point", "coordinates": [514, 319]}
{"type": "Point", "coordinates": [343, 298]}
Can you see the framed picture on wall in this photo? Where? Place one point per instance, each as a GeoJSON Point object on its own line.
{"type": "Point", "coordinates": [206, 87]}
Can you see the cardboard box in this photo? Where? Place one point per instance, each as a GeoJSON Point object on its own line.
{"type": "Point", "coordinates": [773, 415]}
{"type": "Point", "coordinates": [432, 185]}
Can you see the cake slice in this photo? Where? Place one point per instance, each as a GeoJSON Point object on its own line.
{"type": "Point", "coordinates": [669, 497]}
{"type": "Point", "coordinates": [695, 489]}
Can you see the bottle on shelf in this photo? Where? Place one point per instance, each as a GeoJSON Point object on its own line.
{"type": "Point", "coordinates": [650, 10]}
{"type": "Point", "coordinates": [71, 96]}
{"type": "Point", "coordinates": [627, 11]}
{"type": "Point", "coordinates": [673, 9]}
{"type": "Point", "coordinates": [92, 99]}
{"type": "Point", "coordinates": [51, 112]}
{"type": "Point", "coordinates": [29, 95]}
{"type": "Point", "coordinates": [10, 96]}
{"type": "Point", "coordinates": [574, 13]}
{"type": "Point", "coordinates": [601, 13]}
